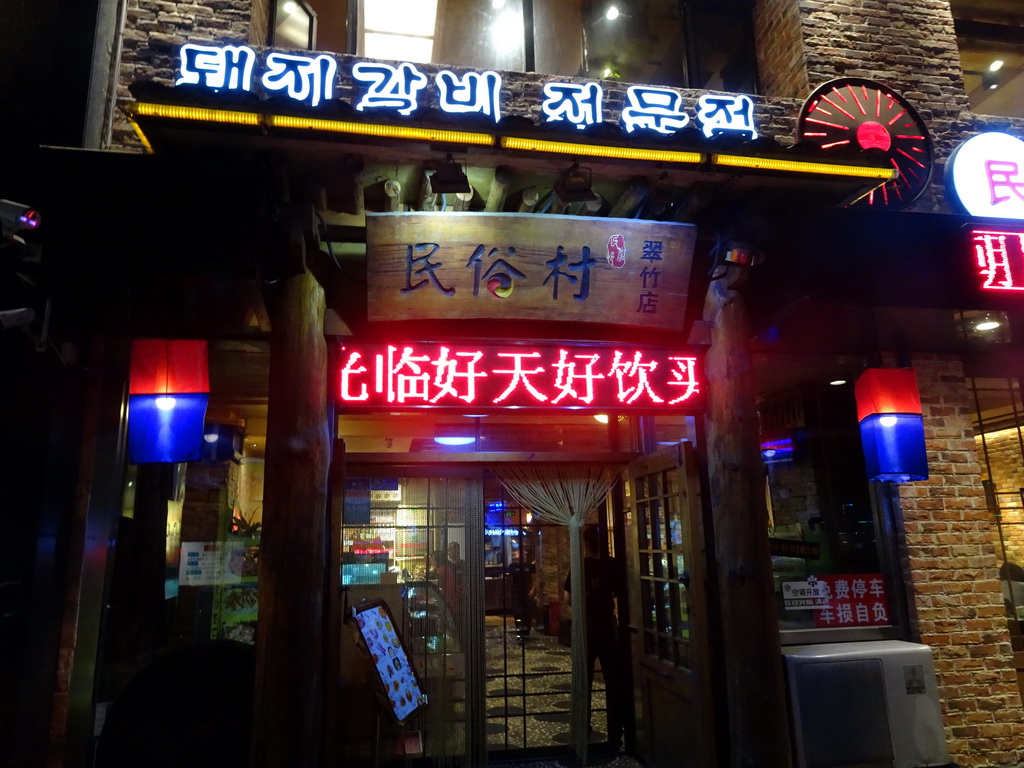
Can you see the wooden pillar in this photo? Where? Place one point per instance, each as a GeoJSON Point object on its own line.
{"type": "Point", "coordinates": [758, 731]}
{"type": "Point", "coordinates": [288, 717]}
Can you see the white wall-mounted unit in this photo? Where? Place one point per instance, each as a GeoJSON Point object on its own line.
{"type": "Point", "coordinates": [865, 704]}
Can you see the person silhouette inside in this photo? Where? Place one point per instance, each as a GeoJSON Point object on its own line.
{"type": "Point", "coordinates": [600, 589]}
{"type": "Point", "coordinates": [522, 592]}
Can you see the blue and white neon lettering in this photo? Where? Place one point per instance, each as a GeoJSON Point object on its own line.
{"type": "Point", "coordinates": [228, 67]}
{"type": "Point", "coordinates": [578, 104]}
{"type": "Point", "coordinates": [655, 109]}
{"type": "Point", "coordinates": [473, 92]}
{"type": "Point", "coordinates": [720, 114]}
{"type": "Point", "coordinates": [302, 77]}
{"type": "Point", "coordinates": [389, 87]}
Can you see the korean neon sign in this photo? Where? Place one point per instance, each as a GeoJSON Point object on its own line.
{"type": "Point", "coordinates": [999, 257]}
{"type": "Point", "coordinates": [516, 376]}
{"type": "Point", "coordinates": [398, 89]}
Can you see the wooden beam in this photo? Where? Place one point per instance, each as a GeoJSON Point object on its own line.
{"type": "Point", "coordinates": [290, 664]}
{"type": "Point", "coordinates": [634, 195]}
{"type": "Point", "coordinates": [427, 199]}
{"type": "Point", "coordinates": [752, 658]}
{"type": "Point", "coordinates": [393, 195]}
{"type": "Point", "coordinates": [499, 190]}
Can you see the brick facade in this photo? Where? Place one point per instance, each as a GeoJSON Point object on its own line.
{"type": "Point", "coordinates": [1006, 470]}
{"type": "Point", "coordinates": [953, 579]}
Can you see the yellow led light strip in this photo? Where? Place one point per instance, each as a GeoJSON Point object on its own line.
{"type": "Point", "coordinates": [382, 131]}
{"type": "Point", "coordinates": [203, 114]}
{"type": "Point", "coordinates": [596, 150]}
{"type": "Point", "coordinates": [799, 166]}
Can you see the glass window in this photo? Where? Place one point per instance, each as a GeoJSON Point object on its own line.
{"type": "Point", "coordinates": [294, 25]}
{"type": "Point", "coordinates": [830, 563]}
{"type": "Point", "coordinates": [695, 43]}
{"type": "Point", "coordinates": [991, 54]}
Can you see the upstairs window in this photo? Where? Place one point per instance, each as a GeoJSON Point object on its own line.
{"type": "Point", "coordinates": [991, 40]}
{"type": "Point", "coordinates": [682, 43]}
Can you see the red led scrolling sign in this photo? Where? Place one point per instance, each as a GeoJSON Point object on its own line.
{"type": "Point", "coordinates": [999, 257]}
{"type": "Point", "coordinates": [514, 376]}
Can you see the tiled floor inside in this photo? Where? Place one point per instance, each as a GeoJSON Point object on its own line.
{"type": "Point", "coordinates": [528, 686]}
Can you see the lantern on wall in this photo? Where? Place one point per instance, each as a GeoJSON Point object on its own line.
{"type": "Point", "coordinates": [168, 390]}
{"type": "Point", "coordinates": [891, 425]}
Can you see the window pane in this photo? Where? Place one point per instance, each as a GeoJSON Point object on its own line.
{"type": "Point", "coordinates": [416, 49]}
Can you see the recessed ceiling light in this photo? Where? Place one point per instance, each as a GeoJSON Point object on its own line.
{"type": "Point", "coordinates": [602, 417]}
{"type": "Point", "coordinates": [995, 66]}
{"type": "Point", "coordinates": [290, 7]}
{"type": "Point", "coordinates": [612, 13]}
{"type": "Point", "coordinates": [888, 421]}
{"type": "Point", "coordinates": [453, 440]}
{"type": "Point", "coordinates": [837, 382]}
{"type": "Point", "coordinates": [987, 325]}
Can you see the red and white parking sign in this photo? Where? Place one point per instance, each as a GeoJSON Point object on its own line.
{"type": "Point", "coordinates": [854, 600]}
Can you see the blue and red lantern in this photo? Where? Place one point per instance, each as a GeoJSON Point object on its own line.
{"type": "Point", "coordinates": [168, 391]}
{"type": "Point", "coordinates": [891, 425]}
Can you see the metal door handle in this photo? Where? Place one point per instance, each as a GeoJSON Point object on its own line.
{"type": "Point", "coordinates": [684, 578]}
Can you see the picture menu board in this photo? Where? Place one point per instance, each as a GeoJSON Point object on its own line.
{"type": "Point", "coordinates": [379, 634]}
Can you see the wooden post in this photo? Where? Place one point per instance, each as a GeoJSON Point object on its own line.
{"type": "Point", "coordinates": [499, 189]}
{"type": "Point", "coordinates": [288, 718]}
{"type": "Point", "coordinates": [755, 698]}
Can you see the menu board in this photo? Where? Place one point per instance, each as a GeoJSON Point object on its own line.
{"type": "Point", "coordinates": [391, 661]}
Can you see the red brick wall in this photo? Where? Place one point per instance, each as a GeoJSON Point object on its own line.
{"type": "Point", "coordinates": [1007, 472]}
{"type": "Point", "coordinates": [953, 579]}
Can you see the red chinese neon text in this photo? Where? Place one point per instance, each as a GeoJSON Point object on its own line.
{"type": "Point", "coordinates": [638, 373]}
{"type": "Point", "coordinates": [566, 378]}
{"type": "Point", "coordinates": [684, 376]}
{"type": "Point", "coordinates": [347, 372]}
{"type": "Point", "coordinates": [520, 376]}
{"type": "Point", "coordinates": [514, 376]}
{"type": "Point", "coordinates": [1000, 259]}
{"type": "Point", "coordinates": [448, 371]}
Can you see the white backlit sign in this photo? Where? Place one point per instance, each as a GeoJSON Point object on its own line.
{"type": "Point", "coordinates": [986, 174]}
{"type": "Point", "coordinates": [301, 77]}
{"type": "Point", "coordinates": [228, 67]}
{"type": "Point", "coordinates": [656, 109]}
{"type": "Point", "coordinates": [575, 103]}
{"type": "Point", "coordinates": [397, 89]}
{"type": "Point", "coordinates": [720, 113]}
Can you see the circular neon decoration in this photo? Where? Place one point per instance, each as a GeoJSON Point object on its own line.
{"type": "Point", "coordinates": [861, 114]}
{"type": "Point", "coordinates": [986, 175]}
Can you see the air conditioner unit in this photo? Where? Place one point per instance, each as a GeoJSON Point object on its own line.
{"type": "Point", "coordinates": [865, 704]}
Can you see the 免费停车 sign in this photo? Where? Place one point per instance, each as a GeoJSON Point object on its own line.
{"type": "Point", "coordinates": [484, 266]}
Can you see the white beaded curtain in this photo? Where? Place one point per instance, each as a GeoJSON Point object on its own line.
{"type": "Point", "coordinates": [566, 495]}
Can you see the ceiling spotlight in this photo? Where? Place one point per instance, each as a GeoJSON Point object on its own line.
{"type": "Point", "coordinates": [612, 13]}
{"type": "Point", "coordinates": [573, 185]}
{"type": "Point", "coordinates": [454, 440]}
{"type": "Point", "coordinates": [988, 324]}
{"type": "Point", "coordinates": [449, 178]}
{"type": "Point", "coordinates": [601, 417]}
{"type": "Point", "coordinates": [995, 66]}
{"type": "Point", "coordinates": [290, 7]}
{"type": "Point", "coordinates": [837, 382]}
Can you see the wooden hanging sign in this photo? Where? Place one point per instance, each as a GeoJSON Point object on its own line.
{"type": "Point", "coordinates": [515, 266]}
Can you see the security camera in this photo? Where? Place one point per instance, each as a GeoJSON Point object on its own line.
{"type": "Point", "coordinates": [17, 217]}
